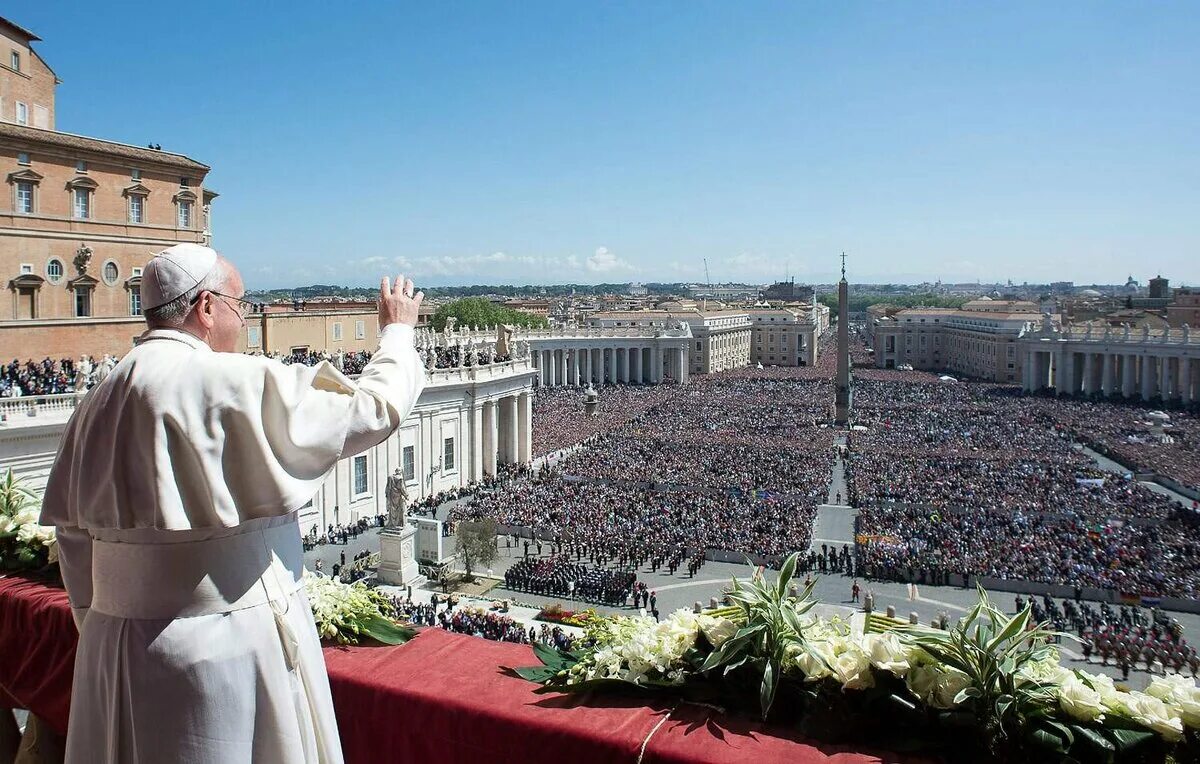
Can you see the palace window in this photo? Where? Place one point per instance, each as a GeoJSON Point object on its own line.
{"type": "Point", "coordinates": [25, 197]}
{"type": "Point", "coordinates": [135, 301]}
{"type": "Point", "coordinates": [337, 331]}
{"type": "Point", "coordinates": [408, 462]}
{"type": "Point", "coordinates": [14, 61]}
{"type": "Point", "coordinates": [83, 302]}
{"type": "Point", "coordinates": [360, 475]}
{"type": "Point", "coordinates": [111, 273]}
{"type": "Point", "coordinates": [135, 175]}
{"type": "Point", "coordinates": [80, 165]}
{"type": "Point", "coordinates": [185, 213]}
{"type": "Point", "coordinates": [23, 157]}
{"type": "Point", "coordinates": [83, 203]}
{"type": "Point", "coordinates": [54, 270]}
{"type": "Point", "coordinates": [137, 208]}
{"type": "Point", "coordinates": [360, 330]}
{"type": "Point", "coordinates": [448, 455]}
{"type": "Point", "coordinates": [22, 113]}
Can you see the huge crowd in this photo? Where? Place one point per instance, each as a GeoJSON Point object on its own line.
{"type": "Point", "coordinates": [976, 479]}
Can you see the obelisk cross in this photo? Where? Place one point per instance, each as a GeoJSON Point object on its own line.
{"type": "Point", "coordinates": [843, 265]}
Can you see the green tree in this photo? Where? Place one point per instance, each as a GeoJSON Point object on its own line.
{"type": "Point", "coordinates": [476, 545]}
{"type": "Point", "coordinates": [479, 311]}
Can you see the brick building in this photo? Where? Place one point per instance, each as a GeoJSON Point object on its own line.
{"type": "Point", "coordinates": [79, 218]}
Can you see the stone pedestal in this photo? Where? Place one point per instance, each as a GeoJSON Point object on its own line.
{"type": "Point", "coordinates": [397, 557]}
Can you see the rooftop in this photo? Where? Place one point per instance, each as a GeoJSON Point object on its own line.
{"type": "Point", "coordinates": [111, 148]}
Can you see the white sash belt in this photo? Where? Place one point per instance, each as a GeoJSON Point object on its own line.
{"type": "Point", "coordinates": [194, 578]}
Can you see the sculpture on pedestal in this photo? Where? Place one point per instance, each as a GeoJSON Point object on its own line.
{"type": "Point", "coordinates": [397, 500]}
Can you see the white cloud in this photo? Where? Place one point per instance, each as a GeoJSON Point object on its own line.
{"type": "Point", "coordinates": [604, 261]}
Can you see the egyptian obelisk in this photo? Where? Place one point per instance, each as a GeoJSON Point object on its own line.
{"type": "Point", "coordinates": [842, 395]}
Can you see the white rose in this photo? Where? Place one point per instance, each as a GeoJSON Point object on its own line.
{"type": "Point", "coordinates": [887, 653]}
{"type": "Point", "coordinates": [6, 524]}
{"type": "Point", "coordinates": [1152, 713]}
{"type": "Point", "coordinates": [1078, 700]}
{"type": "Point", "coordinates": [27, 533]}
{"type": "Point", "coordinates": [948, 685]}
{"type": "Point", "coordinates": [921, 680]}
{"type": "Point", "coordinates": [25, 516]}
{"type": "Point", "coordinates": [813, 667]}
{"type": "Point", "coordinates": [1180, 693]}
{"type": "Point", "coordinates": [718, 630]}
{"type": "Point", "coordinates": [853, 669]}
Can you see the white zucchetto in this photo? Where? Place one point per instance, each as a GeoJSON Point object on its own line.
{"type": "Point", "coordinates": [174, 271]}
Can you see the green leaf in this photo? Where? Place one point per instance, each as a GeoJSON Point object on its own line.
{"type": "Point", "coordinates": [1048, 739]}
{"type": "Point", "coordinates": [1094, 739]}
{"type": "Point", "coordinates": [1126, 739]}
{"type": "Point", "coordinates": [538, 674]}
{"type": "Point", "coordinates": [549, 656]}
{"type": "Point", "coordinates": [1012, 629]}
{"type": "Point", "coordinates": [386, 631]}
{"type": "Point", "coordinates": [770, 682]}
{"type": "Point", "coordinates": [965, 693]}
{"type": "Point", "coordinates": [785, 575]}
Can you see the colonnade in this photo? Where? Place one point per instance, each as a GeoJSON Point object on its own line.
{"type": "Point", "coordinates": [1134, 372]}
{"type": "Point", "coordinates": [641, 365]}
{"type": "Point", "coordinates": [501, 433]}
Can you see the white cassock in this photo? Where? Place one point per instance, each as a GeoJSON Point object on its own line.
{"type": "Point", "coordinates": [175, 496]}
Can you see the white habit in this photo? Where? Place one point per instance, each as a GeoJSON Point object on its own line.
{"type": "Point", "coordinates": [175, 495]}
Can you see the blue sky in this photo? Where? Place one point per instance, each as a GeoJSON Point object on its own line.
{"type": "Point", "coordinates": [550, 142]}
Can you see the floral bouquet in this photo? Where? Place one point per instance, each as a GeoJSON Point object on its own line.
{"type": "Point", "coordinates": [24, 544]}
{"type": "Point", "coordinates": [346, 612]}
{"type": "Point", "coordinates": [989, 689]}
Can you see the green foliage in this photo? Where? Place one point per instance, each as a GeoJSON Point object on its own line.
{"type": "Point", "coordinates": [773, 627]}
{"type": "Point", "coordinates": [477, 311]}
{"type": "Point", "coordinates": [997, 653]}
{"type": "Point", "coordinates": [476, 544]}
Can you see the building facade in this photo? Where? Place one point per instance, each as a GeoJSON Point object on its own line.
{"type": "Point", "coordinates": [79, 218]}
{"type": "Point", "coordinates": [466, 423]}
{"type": "Point", "coordinates": [976, 343]}
{"type": "Point", "coordinates": [1148, 366]}
{"type": "Point", "coordinates": [1184, 310]}
{"type": "Point", "coordinates": [721, 339]}
{"type": "Point", "coordinates": [786, 336]}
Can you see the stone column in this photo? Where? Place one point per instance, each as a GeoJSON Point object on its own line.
{"type": "Point", "coordinates": [489, 437]}
{"type": "Point", "coordinates": [1168, 378]}
{"type": "Point", "coordinates": [1089, 371]}
{"type": "Point", "coordinates": [510, 438]}
{"type": "Point", "coordinates": [587, 365]}
{"type": "Point", "coordinates": [1148, 382]}
{"type": "Point", "coordinates": [477, 445]}
{"type": "Point", "coordinates": [525, 427]}
{"type": "Point", "coordinates": [625, 372]}
{"type": "Point", "coordinates": [611, 367]}
{"type": "Point", "coordinates": [1128, 375]}
{"type": "Point", "coordinates": [683, 365]}
{"type": "Point", "coordinates": [1027, 371]}
{"type": "Point", "coordinates": [1109, 379]}
{"type": "Point", "coordinates": [658, 365]}
{"type": "Point", "coordinates": [1185, 380]}
{"type": "Point", "coordinates": [635, 365]}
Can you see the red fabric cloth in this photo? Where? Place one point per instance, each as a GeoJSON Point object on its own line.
{"type": "Point", "coordinates": [442, 697]}
{"type": "Point", "coordinates": [37, 649]}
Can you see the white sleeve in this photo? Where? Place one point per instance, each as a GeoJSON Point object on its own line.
{"type": "Point", "coordinates": [389, 387]}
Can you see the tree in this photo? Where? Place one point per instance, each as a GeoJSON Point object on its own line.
{"type": "Point", "coordinates": [476, 544]}
{"type": "Point", "coordinates": [479, 311]}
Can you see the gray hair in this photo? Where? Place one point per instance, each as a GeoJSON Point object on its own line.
{"type": "Point", "coordinates": [174, 312]}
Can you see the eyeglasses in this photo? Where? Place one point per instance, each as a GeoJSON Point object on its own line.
{"type": "Point", "coordinates": [243, 307]}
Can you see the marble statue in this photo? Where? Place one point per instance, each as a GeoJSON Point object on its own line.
{"type": "Point", "coordinates": [339, 360]}
{"type": "Point", "coordinates": [397, 499]}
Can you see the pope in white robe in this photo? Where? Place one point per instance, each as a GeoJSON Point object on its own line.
{"type": "Point", "coordinates": [175, 497]}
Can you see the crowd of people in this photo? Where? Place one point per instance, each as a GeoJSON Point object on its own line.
{"type": "Point", "coordinates": [1123, 636]}
{"type": "Point", "coordinates": [479, 622]}
{"type": "Point", "coordinates": [560, 421]}
{"type": "Point", "coordinates": [560, 577]}
{"type": "Point", "coordinates": [977, 479]}
{"type": "Point", "coordinates": [52, 376]}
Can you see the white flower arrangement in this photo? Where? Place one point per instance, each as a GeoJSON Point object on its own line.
{"type": "Point", "coordinates": [346, 612]}
{"type": "Point", "coordinates": [25, 543]}
{"type": "Point", "coordinates": [995, 678]}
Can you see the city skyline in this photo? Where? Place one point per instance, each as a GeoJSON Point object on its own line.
{"type": "Point", "coordinates": [468, 145]}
